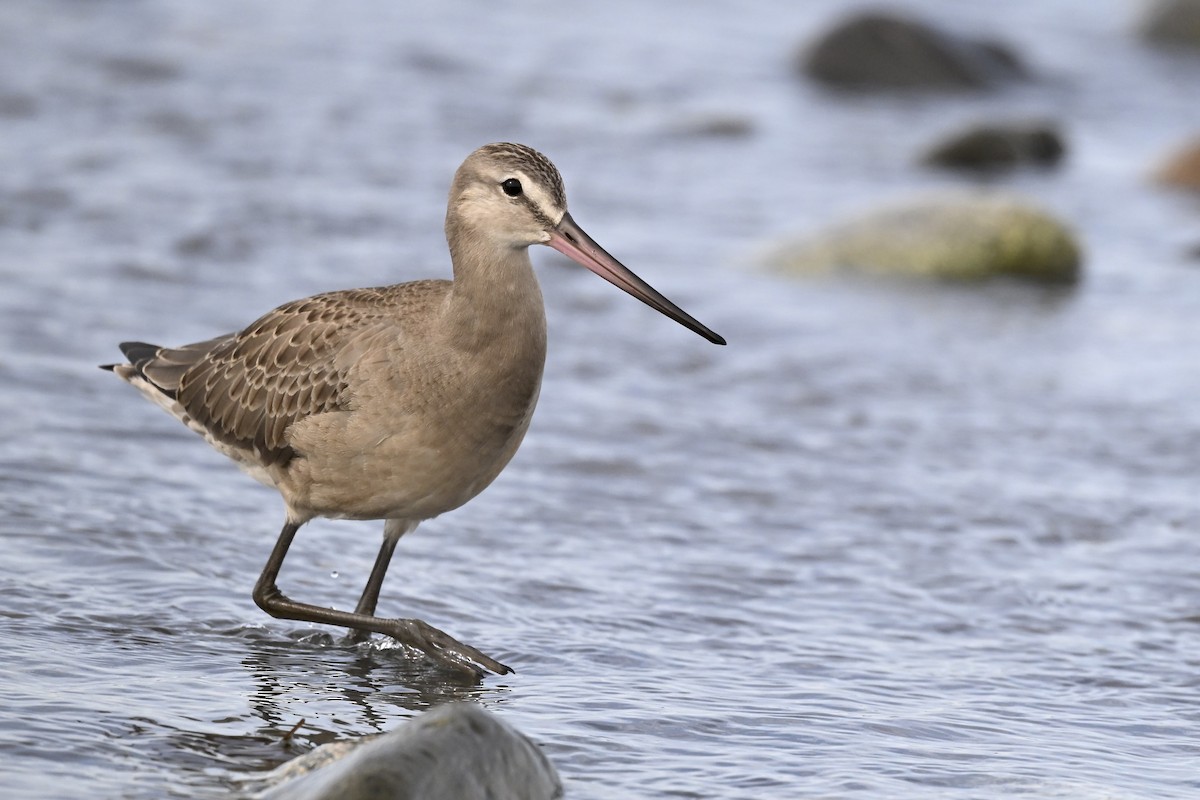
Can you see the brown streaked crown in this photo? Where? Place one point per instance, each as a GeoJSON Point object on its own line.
{"type": "Point", "coordinates": [532, 163]}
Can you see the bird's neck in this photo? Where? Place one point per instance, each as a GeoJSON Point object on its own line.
{"type": "Point", "coordinates": [495, 302]}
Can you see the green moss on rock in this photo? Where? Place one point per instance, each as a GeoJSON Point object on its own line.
{"type": "Point", "coordinates": [962, 238]}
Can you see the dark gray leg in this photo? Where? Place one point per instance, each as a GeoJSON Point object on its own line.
{"type": "Point", "coordinates": [370, 596]}
{"type": "Point", "coordinates": [412, 632]}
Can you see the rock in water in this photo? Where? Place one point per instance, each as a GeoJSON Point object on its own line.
{"type": "Point", "coordinates": [880, 51]}
{"type": "Point", "coordinates": [955, 237]}
{"type": "Point", "coordinates": [1175, 23]}
{"type": "Point", "coordinates": [996, 146]}
{"type": "Point", "coordinates": [454, 752]}
{"type": "Point", "coordinates": [1181, 170]}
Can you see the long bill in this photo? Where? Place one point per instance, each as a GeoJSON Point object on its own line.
{"type": "Point", "coordinates": [570, 240]}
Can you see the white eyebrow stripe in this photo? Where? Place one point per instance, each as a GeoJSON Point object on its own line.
{"type": "Point", "coordinates": [542, 200]}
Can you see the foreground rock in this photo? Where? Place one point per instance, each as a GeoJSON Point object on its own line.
{"type": "Point", "coordinates": [957, 237]}
{"type": "Point", "coordinates": [1181, 170]}
{"type": "Point", "coordinates": [881, 51]}
{"type": "Point", "coordinates": [1172, 22]}
{"type": "Point", "coordinates": [998, 146]}
{"type": "Point", "coordinates": [454, 752]}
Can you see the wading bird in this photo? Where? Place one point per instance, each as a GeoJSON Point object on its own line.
{"type": "Point", "coordinates": [400, 402]}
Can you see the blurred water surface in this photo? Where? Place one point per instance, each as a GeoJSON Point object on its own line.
{"type": "Point", "coordinates": [892, 542]}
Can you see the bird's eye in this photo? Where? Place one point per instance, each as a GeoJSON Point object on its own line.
{"type": "Point", "coordinates": [511, 187]}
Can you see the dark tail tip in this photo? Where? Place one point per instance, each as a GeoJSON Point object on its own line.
{"type": "Point", "coordinates": [139, 351]}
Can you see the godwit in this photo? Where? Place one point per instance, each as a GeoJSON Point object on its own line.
{"type": "Point", "coordinates": [399, 402]}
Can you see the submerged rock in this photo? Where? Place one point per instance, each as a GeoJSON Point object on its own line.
{"type": "Point", "coordinates": [713, 126]}
{"type": "Point", "coordinates": [1181, 169]}
{"type": "Point", "coordinates": [1172, 22]}
{"type": "Point", "coordinates": [958, 237]}
{"type": "Point", "coordinates": [994, 146]}
{"type": "Point", "coordinates": [454, 752]}
{"type": "Point", "coordinates": [881, 51]}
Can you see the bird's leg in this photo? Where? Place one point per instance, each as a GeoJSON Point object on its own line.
{"type": "Point", "coordinates": [370, 595]}
{"type": "Point", "coordinates": [412, 632]}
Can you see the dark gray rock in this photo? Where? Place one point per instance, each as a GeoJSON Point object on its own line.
{"type": "Point", "coordinates": [457, 751]}
{"type": "Point", "coordinates": [1172, 22]}
{"type": "Point", "coordinates": [884, 51]}
{"type": "Point", "coordinates": [995, 146]}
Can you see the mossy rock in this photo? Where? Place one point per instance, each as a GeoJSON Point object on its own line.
{"type": "Point", "coordinates": [961, 238]}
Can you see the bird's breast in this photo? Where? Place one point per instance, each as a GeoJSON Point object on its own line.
{"type": "Point", "coordinates": [421, 437]}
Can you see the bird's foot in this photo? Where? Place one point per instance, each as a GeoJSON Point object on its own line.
{"type": "Point", "coordinates": [442, 647]}
{"type": "Point", "coordinates": [357, 636]}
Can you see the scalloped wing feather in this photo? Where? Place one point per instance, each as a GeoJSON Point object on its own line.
{"type": "Point", "coordinates": [245, 390]}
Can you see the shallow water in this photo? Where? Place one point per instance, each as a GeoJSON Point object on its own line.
{"type": "Point", "coordinates": [893, 541]}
